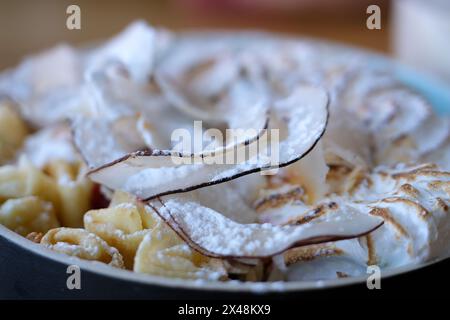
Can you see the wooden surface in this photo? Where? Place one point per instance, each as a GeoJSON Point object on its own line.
{"type": "Point", "coordinates": [28, 26]}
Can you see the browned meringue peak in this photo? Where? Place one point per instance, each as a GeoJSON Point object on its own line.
{"type": "Point", "coordinates": [288, 62]}
{"type": "Point", "coordinates": [301, 119]}
{"type": "Point", "coordinates": [386, 180]}
{"type": "Point", "coordinates": [362, 98]}
{"type": "Point", "coordinates": [342, 179]}
{"type": "Point", "coordinates": [403, 239]}
{"type": "Point", "coordinates": [326, 261]}
{"type": "Point", "coordinates": [402, 124]}
{"type": "Point", "coordinates": [414, 203]}
{"type": "Point", "coordinates": [215, 235]}
{"type": "Point", "coordinates": [409, 111]}
{"type": "Point", "coordinates": [416, 145]}
{"type": "Point", "coordinates": [298, 186]}
{"type": "Point", "coordinates": [403, 128]}
{"type": "Point", "coordinates": [383, 115]}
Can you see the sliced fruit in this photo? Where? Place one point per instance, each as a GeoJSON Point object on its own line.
{"type": "Point", "coordinates": [28, 214]}
{"type": "Point", "coordinates": [82, 244]}
{"type": "Point", "coordinates": [163, 253]}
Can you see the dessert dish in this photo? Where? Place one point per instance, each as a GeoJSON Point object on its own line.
{"type": "Point", "coordinates": [103, 159]}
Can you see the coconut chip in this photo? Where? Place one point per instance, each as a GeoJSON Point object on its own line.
{"type": "Point", "coordinates": [301, 120]}
{"type": "Point", "coordinates": [215, 235]}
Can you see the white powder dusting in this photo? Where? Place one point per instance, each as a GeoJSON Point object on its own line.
{"type": "Point", "coordinates": [217, 234]}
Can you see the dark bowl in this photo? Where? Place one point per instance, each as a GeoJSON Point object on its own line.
{"type": "Point", "coordinates": [28, 270]}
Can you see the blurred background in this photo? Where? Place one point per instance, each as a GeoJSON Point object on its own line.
{"type": "Point", "coordinates": [415, 31]}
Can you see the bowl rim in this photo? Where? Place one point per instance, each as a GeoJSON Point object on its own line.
{"type": "Point", "coordinates": [233, 285]}
{"type": "Point", "coordinates": [103, 269]}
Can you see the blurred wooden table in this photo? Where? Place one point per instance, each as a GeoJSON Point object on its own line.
{"type": "Point", "coordinates": [28, 26]}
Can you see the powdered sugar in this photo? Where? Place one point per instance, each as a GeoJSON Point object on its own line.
{"type": "Point", "coordinates": [218, 235]}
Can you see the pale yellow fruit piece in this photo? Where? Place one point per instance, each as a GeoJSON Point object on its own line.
{"type": "Point", "coordinates": [18, 181]}
{"type": "Point", "coordinates": [122, 227]}
{"type": "Point", "coordinates": [120, 197]}
{"type": "Point", "coordinates": [163, 253]}
{"type": "Point", "coordinates": [28, 214]}
{"type": "Point", "coordinates": [7, 152]}
{"type": "Point", "coordinates": [149, 218]}
{"type": "Point", "coordinates": [13, 131]}
{"type": "Point", "coordinates": [82, 244]}
{"type": "Point", "coordinates": [74, 189]}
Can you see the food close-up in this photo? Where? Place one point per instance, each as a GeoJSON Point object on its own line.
{"type": "Point", "coordinates": [118, 155]}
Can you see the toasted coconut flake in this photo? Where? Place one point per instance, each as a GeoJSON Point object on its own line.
{"type": "Point", "coordinates": [134, 47]}
{"type": "Point", "coordinates": [197, 83]}
{"type": "Point", "coordinates": [45, 86]}
{"type": "Point", "coordinates": [101, 141]}
{"type": "Point", "coordinates": [302, 117]}
{"type": "Point", "coordinates": [210, 86]}
{"type": "Point", "coordinates": [215, 235]}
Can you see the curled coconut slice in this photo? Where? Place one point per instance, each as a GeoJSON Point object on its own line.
{"type": "Point", "coordinates": [215, 235]}
{"type": "Point", "coordinates": [300, 119]}
{"type": "Point", "coordinates": [135, 47]}
{"type": "Point", "coordinates": [101, 141]}
{"type": "Point", "coordinates": [203, 83]}
{"type": "Point", "coordinates": [54, 85]}
{"type": "Point", "coordinates": [222, 86]}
